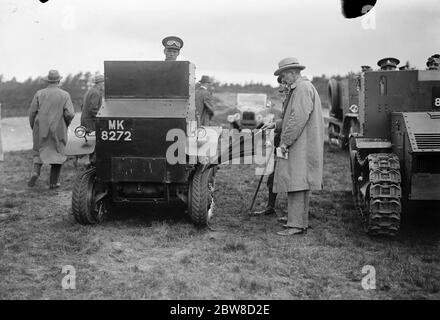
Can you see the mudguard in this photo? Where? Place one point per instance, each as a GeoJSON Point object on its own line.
{"type": "Point", "coordinates": [79, 146]}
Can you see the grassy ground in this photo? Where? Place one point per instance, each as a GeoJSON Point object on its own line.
{"type": "Point", "coordinates": [141, 253]}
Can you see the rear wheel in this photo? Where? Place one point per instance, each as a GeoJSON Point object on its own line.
{"type": "Point", "coordinates": [89, 203]}
{"type": "Point", "coordinates": [201, 197]}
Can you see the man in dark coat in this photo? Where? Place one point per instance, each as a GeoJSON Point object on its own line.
{"type": "Point", "coordinates": [92, 102]}
{"type": "Point", "coordinates": [204, 101]}
{"type": "Point", "coordinates": [270, 207]}
{"type": "Point", "coordinates": [50, 114]}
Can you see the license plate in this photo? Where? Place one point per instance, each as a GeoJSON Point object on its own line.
{"type": "Point", "coordinates": [116, 132]}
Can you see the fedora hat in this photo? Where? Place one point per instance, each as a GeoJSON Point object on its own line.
{"type": "Point", "coordinates": [205, 79]}
{"type": "Point", "coordinates": [53, 76]}
{"type": "Point", "coordinates": [288, 63]}
{"type": "Point", "coordinates": [98, 78]}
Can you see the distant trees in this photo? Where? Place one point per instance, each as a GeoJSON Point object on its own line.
{"type": "Point", "coordinates": [16, 97]}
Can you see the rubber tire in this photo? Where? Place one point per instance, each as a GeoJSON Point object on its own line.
{"type": "Point", "coordinates": [199, 198]}
{"type": "Point", "coordinates": [82, 198]}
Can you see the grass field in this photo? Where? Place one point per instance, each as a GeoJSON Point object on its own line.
{"type": "Point", "coordinates": [156, 254]}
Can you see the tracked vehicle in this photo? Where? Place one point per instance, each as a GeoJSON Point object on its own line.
{"type": "Point", "coordinates": [395, 158]}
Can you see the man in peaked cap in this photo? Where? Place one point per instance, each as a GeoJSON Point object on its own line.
{"type": "Point", "coordinates": [92, 102]}
{"type": "Point", "coordinates": [172, 46]}
{"type": "Point", "coordinates": [366, 68]}
{"type": "Point", "coordinates": [433, 62]}
{"type": "Point", "coordinates": [50, 113]}
{"type": "Point", "coordinates": [302, 140]}
{"type": "Point", "coordinates": [204, 101]}
{"type": "Point", "coordinates": [388, 63]}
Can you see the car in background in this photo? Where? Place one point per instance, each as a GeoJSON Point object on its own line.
{"type": "Point", "coordinates": [253, 110]}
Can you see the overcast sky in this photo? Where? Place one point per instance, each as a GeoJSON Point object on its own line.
{"type": "Point", "coordinates": [232, 40]}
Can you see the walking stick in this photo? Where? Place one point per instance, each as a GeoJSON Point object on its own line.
{"type": "Point", "coordinates": [255, 194]}
{"type": "Point", "coordinates": [259, 183]}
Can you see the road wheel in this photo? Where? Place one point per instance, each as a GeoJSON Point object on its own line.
{"type": "Point", "coordinates": [89, 204]}
{"type": "Point", "coordinates": [201, 197]}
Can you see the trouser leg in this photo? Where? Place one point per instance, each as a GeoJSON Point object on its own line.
{"type": "Point", "coordinates": [272, 196]}
{"type": "Point", "coordinates": [36, 171]}
{"type": "Point", "coordinates": [297, 207]}
{"type": "Point", "coordinates": [55, 170]}
{"type": "Point", "coordinates": [306, 208]}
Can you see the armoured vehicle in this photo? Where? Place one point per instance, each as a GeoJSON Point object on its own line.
{"type": "Point", "coordinates": [344, 108]}
{"type": "Point", "coordinates": [147, 105]}
{"type": "Point", "coordinates": [395, 158]}
{"type": "Point", "coordinates": [252, 111]}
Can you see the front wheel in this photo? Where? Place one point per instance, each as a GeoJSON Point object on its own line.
{"type": "Point", "coordinates": [201, 197]}
{"type": "Point", "coordinates": [89, 204]}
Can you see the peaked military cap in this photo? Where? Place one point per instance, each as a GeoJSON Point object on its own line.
{"type": "Point", "coordinates": [365, 68]}
{"type": "Point", "coordinates": [433, 60]}
{"type": "Point", "coordinates": [388, 62]}
{"type": "Point", "coordinates": [172, 42]}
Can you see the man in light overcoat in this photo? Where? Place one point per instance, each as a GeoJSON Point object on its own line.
{"type": "Point", "coordinates": [302, 140]}
{"type": "Point", "coordinates": [50, 114]}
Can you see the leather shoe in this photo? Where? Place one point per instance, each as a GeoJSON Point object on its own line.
{"type": "Point", "coordinates": [292, 232]}
{"type": "Point", "coordinates": [282, 219]}
{"type": "Point", "coordinates": [268, 211]}
{"type": "Point", "coordinates": [32, 180]}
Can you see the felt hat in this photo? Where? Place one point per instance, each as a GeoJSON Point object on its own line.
{"type": "Point", "coordinates": [53, 76]}
{"type": "Point", "coordinates": [288, 63]}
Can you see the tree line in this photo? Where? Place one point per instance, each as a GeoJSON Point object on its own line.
{"type": "Point", "coordinates": [16, 96]}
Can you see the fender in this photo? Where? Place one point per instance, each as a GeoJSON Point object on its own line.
{"type": "Point", "coordinates": [80, 146]}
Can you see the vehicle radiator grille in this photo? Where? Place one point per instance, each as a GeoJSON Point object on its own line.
{"type": "Point", "coordinates": [427, 140]}
{"type": "Point", "coordinates": [248, 116]}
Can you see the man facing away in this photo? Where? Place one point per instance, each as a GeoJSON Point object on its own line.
{"type": "Point", "coordinates": [92, 102]}
{"type": "Point", "coordinates": [204, 101]}
{"type": "Point", "coordinates": [50, 114]}
{"type": "Point", "coordinates": [302, 140]}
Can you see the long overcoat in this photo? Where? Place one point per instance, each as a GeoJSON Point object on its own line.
{"type": "Point", "coordinates": [302, 130]}
{"type": "Point", "coordinates": [204, 105]}
{"type": "Point", "coordinates": [50, 114]}
{"type": "Point", "coordinates": [91, 103]}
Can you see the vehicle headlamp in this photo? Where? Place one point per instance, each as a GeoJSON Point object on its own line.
{"type": "Point", "coordinates": [354, 108]}
{"type": "Point", "coordinates": [201, 133]}
{"type": "Point", "coordinates": [80, 132]}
